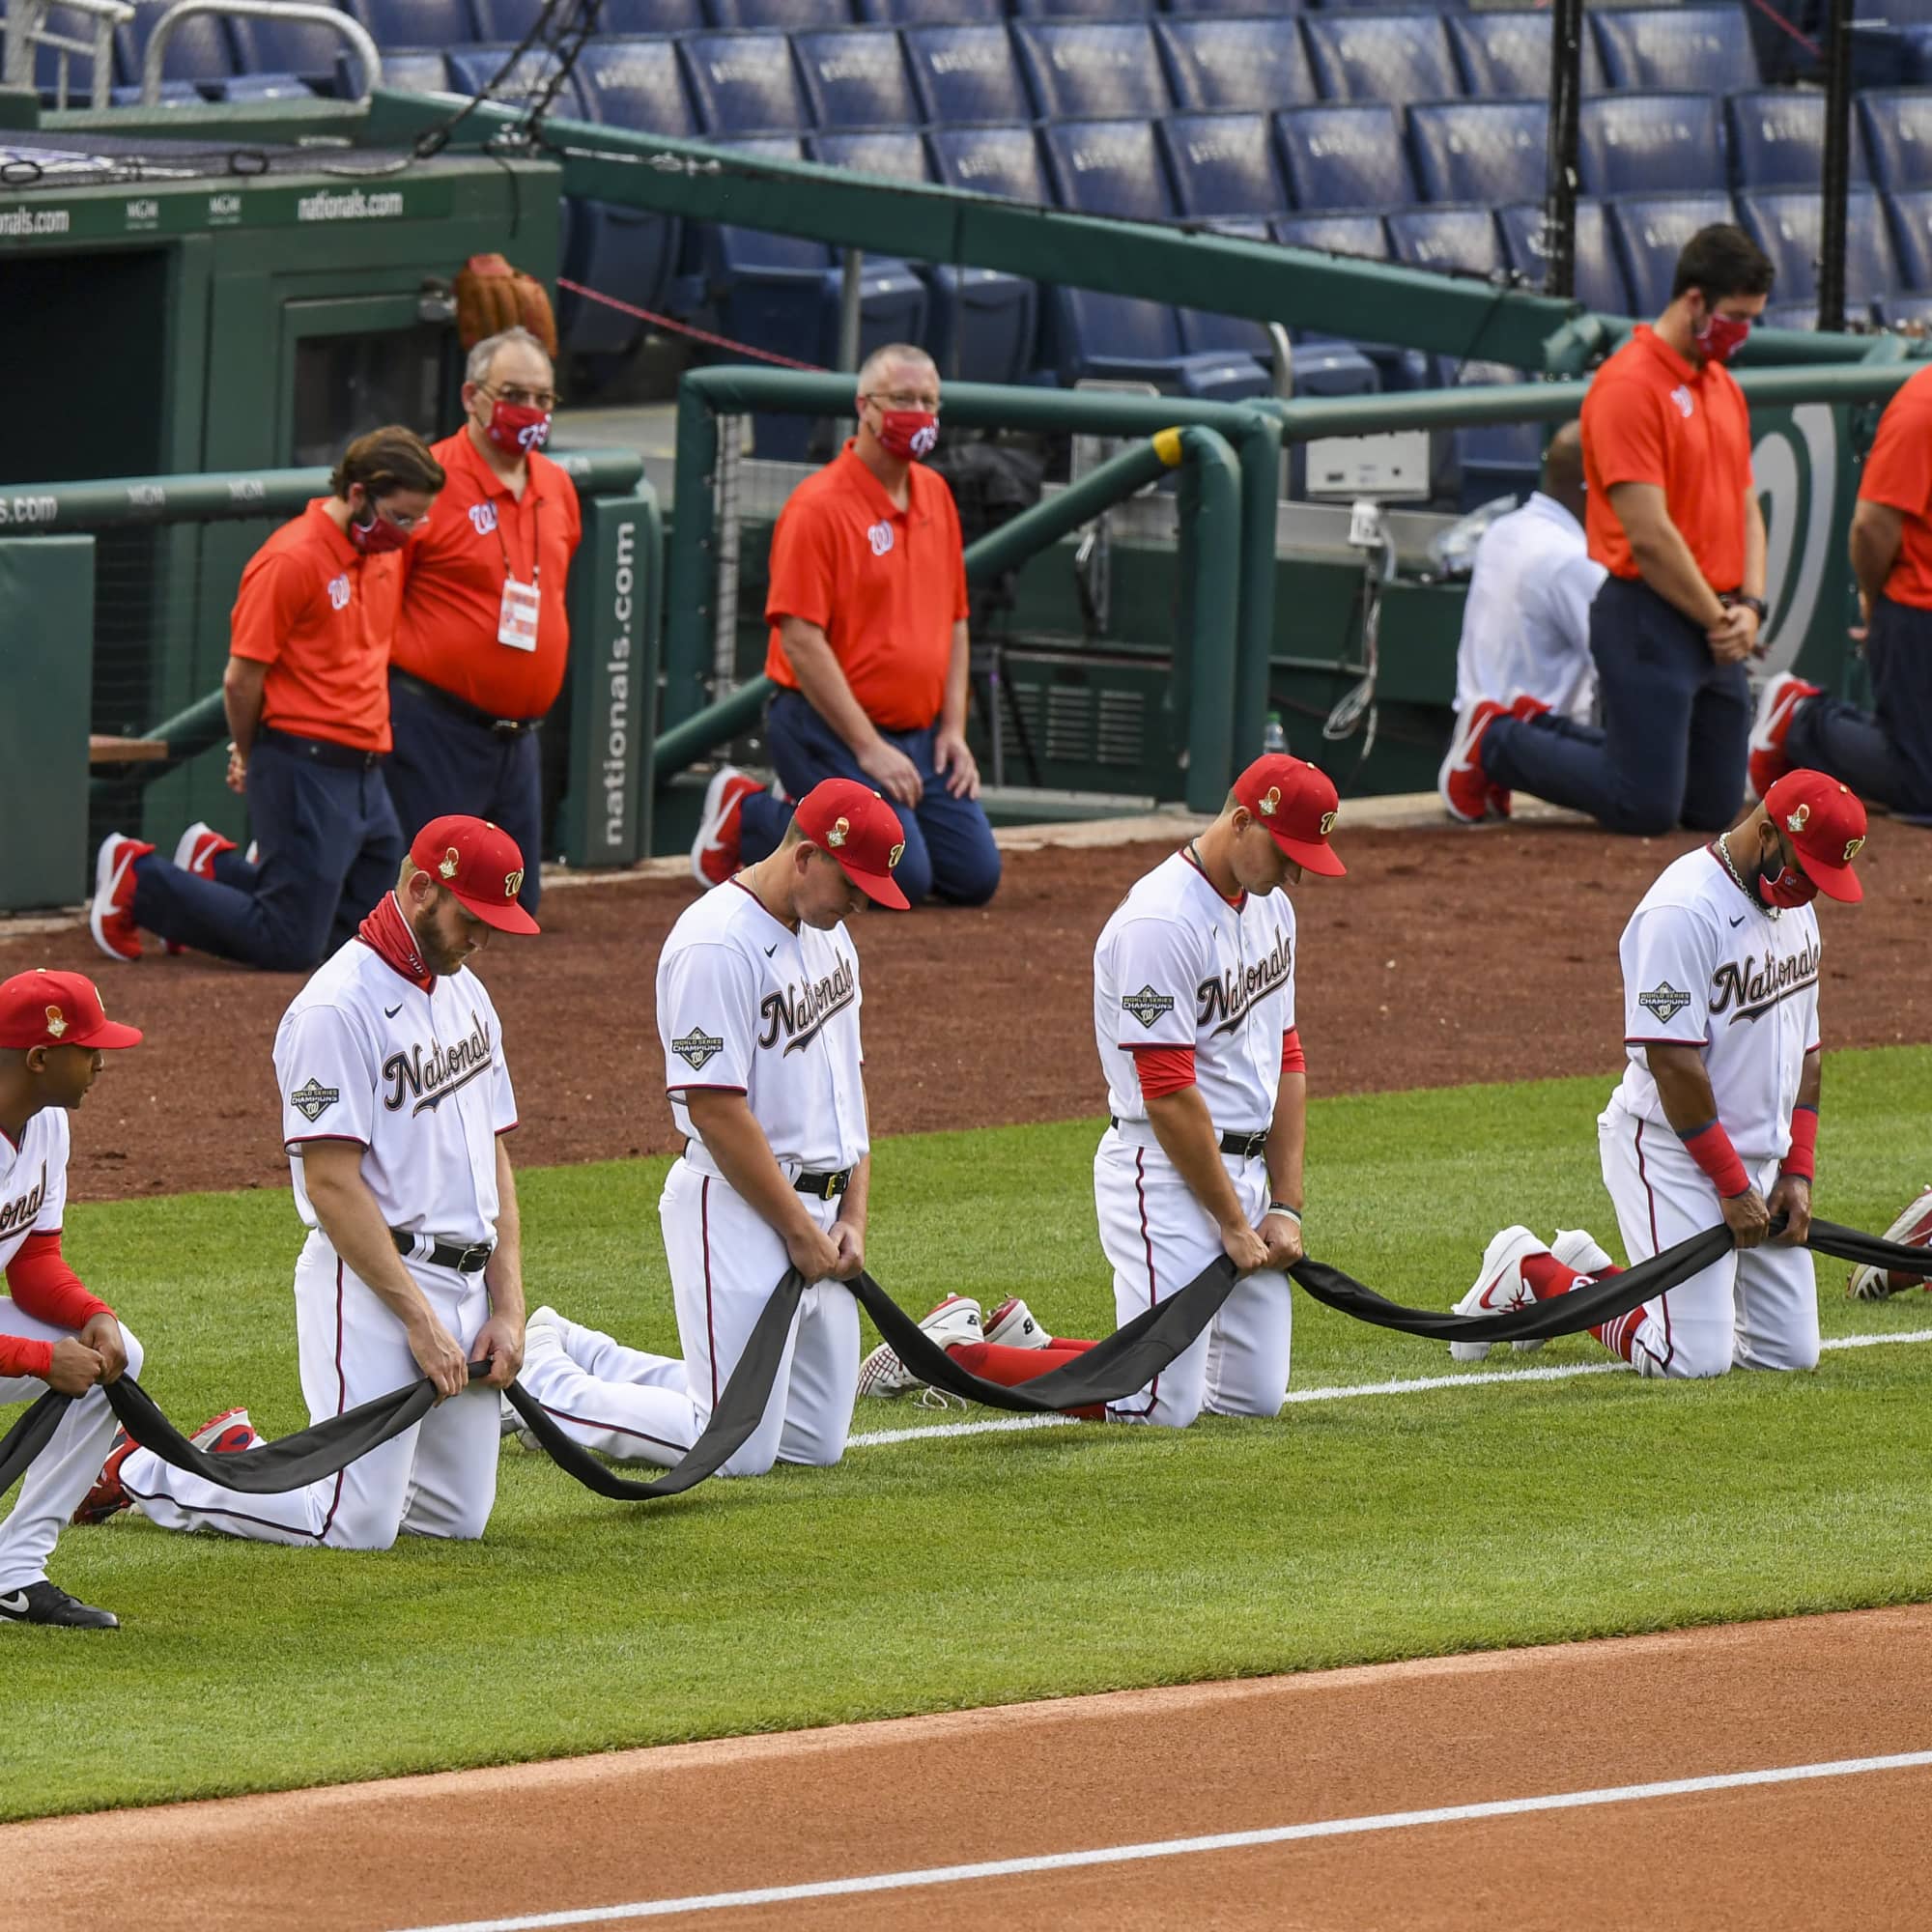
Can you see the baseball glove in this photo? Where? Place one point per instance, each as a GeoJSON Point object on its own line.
{"type": "Point", "coordinates": [492, 296]}
{"type": "Point", "coordinates": [1913, 1230]}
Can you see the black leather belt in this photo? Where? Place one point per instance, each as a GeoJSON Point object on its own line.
{"type": "Point", "coordinates": [323, 750]}
{"type": "Point", "coordinates": [503, 727]}
{"type": "Point", "coordinates": [1244, 1147]}
{"type": "Point", "coordinates": [824, 1186]}
{"type": "Point", "coordinates": [471, 1259]}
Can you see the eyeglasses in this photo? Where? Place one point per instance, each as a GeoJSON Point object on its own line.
{"type": "Point", "coordinates": [401, 521]}
{"type": "Point", "coordinates": [905, 399]}
{"type": "Point", "coordinates": [523, 398]}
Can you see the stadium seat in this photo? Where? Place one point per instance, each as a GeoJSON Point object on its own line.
{"type": "Point", "coordinates": [1506, 52]}
{"type": "Point", "coordinates": [1900, 311]}
{"type": "Point", "coordinates": [1092, 70]}
{"type": "Point", "coordinates": [1897, 128]}
{"type": "Point", "coordinates": [1804, 315]}
{"type": "Point", "coordinates": [1251, 64]}
{"type": "Point", "coordinates": [786, 15]}
{"type": "Point", "coordinates": [982, 321]}
{"type": "Point", "coordinates": [963, 74]}
{"type": "Point", "coordinates": [1696, 49]}
{"type": "Point", "coordinates": [1339, 157]}
{"type": "Point", "coordinates": [1087, 9]}
{"type": "Point", "coordinates": [1224, 165]}
{"type": "Point", "coordinates": [1489, 150]}
{"type": "Point", "coordinates": [197, 48]}
{"type": "Point", "coordinates": [1650, 233]}
{"type": "Point", "coordinates": [1911, 212]}
{"type": "Point", "coordinates": [1649, 144]}
{"type": "Point", "coordinates": [471, 70]}
{"type": "Point", "coordinates": [1232, 6]}
{"type": "Point", "coordinates": [1788, 226]}
{"type": "Point", "coordinates": [638, 85]}
{"type": "Point", "coordinates": [1599, 276]}
{"type": "Point", "coordinates": [241, 87]}
{"type": "Point", "coordinates": [511, 19]}
{"type": "Point", "coordinates": [416, 23]}
{"type": "Point", "coordinates": [856, 77]}
{"type": "Point", "coordinates": [1393, 57]}
{"type": "Point", "coordinates": [1461, 239]}
{"type": "Point", "coordinates": [1492, 459]}
{"type": "Point", "coordinates": [743, 83]}
{"type": "Point", "coordinates": [280, 47]}
{"type": "Point", "coordinates": [1776, 137]}
{"type": "Point", "coordinates": [934, 12]}
{"type": "Point", "coordinates": [1001, 160]}
{"type": "Point", "coordinates": [407, 69]}
{"type": "Point", "coordinates": [1324, 364]}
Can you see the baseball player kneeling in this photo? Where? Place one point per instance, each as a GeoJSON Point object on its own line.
{"type": "Point", "coordinates": [758, 994]}
{"type": "Point", "coordinates": [396, 1098]}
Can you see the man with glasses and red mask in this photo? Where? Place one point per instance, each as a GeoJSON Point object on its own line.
{"type": "Point", "coordinates": [307, 698]}
{"type": "Point", "coordinates": [1674, 516]}
{"type": "Point", "coordinates": [483, 637]}
{"type": "Point", "coordinates": [869, 647]}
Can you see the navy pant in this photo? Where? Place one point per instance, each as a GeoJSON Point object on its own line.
{"type": "Point", "coordinates": [330, 847]}
{"type": "Point", "coordinates": [1886, 756]}
{"type": "Point", "coordinates": [949, 852]}
{"type": "Point", "coordinates": [1675, 741]}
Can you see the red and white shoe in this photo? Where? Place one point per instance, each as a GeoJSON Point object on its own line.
{"type": "Point", "coordinates": [1912, 1230]}
{"type": "Point", "coordinates": [953, 1321]}
{"type": "Point", "coordinates": [1523, 707]}
{"type": "Point", "coordinates": [1499, 1286]}
{"type": "Point", "coordinates": [111, 917]}
{"type": "Point", "coordinates": [1467, 795]}
{"type": "Point", "coordinates": [714, 852]}
{"type": "Point", "coordinates": [1012, 1324]}
{"type": "Point", "coordinates": [196, 851]}
{"type": "Point", "coordinates": [221, 1434]}
{"type": "Point", "coordinates": [1777, 707]}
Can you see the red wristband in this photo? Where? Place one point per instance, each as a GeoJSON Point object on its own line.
{"type": "Point", "coordinates": [1710, 1147]}
{"type": "Point", "coordinates": [20, 1356]}
{"type": "Point", "coordinates": [1802, 1159]}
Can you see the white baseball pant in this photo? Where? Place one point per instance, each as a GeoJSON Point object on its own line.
{"type": "Point", "coordinates": [1158, 1237]}
{"type": "Point", "coordinates": [1757, 1309]}
{"type": "Point", "coordinates": [63, 1471]}
{"type": "Point", "coordinates": [435, 1479]}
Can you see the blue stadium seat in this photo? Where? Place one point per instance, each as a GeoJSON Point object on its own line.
{"type": "Point", "coordinates": [1776, 137]}
{"type": "Point", "coordinates": [1232, 6]}
{"type": "Point", "coordinates": [1897, 127]}
{"type": "Point", "coordinates": [1252, 65]}
{"type": "Point", "coordinates": [790, 15]}
{"type": "Point", "coordinates": [511, 19]}
{"type": "Point", "coordinates": [1697, 49]}
{"type": "Point", "coordinates": [416, 23]}
{"type": "Point", "coordinates": [1206, 332]}
{"type": "Point", "coordinates": [1325, 366]}
{"type": "Point", "coordinates": [1224, 164]}
{"type": "Point", "coordinates": [197, 48]}
{"type": "Point", "coordinates": [1085, 10]}
{"type": "Point", "coordinates": [930, 13]}
{"type": "Point", "coordinates": [285, 47]}
{"type": "Point", "coordinates": [1114, 167]}
{"type": "Point", "coordinates": [1002, 161]}
{"type": "Point", "coordinates": [636, 84]}
{"type": "Point", "coordinates": [1344, 158]}
{"type": "Point", "coordinates": [1493, 151]}
{"type": "Point", "coordinates": [982, 321]}
{"type": "Point", "coordinates": [1491, 460]}
{"type": "Point", "coordinates": [856, 77]}
{"type": "Point", "coordinates": [1805, 314]}
{"type": "Point", "coordinates": [1911, 211]}
{"type": "Point", "coordinates": [472, 68]}
{"type": "Point", "coordinates": [407, 69]}
{"type": "Point", "coordinates": [743, 83]}
{"type": "Point", "coordinates": [1651, 231]}
{"type": "Point", "coordinates": [1394, 57]}
{"type": "Point", "coordinates": [1462, 239]}
{"type": "Point", "coordinates": [1898, 311]}
{"type": "Point", "coordinates": [1344, 6]}
{"type": "Point", "coordinates": [1788, 226]}
{"type": "Point", "coordinates": [1092, 70]}
{"type": "Point", "coordinates": [1506, 52]}
{"type": "Point", "coordinates": [964, 75]}
{"type": "Point", "coordinates": [260, 87]}
{"type": "Point", "coordinates": [1649, 144]}
{"type": "Point", "coordinates": [1599, 276]}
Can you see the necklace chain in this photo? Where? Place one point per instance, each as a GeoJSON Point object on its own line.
{"type": "Point", "coordinates": [1731, 867]}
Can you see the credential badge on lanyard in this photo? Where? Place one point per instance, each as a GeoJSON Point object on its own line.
{"type": "Point", "coordinates": [517, 617]}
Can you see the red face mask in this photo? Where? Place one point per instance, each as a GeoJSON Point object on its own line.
{"type": "Point", "coordinates": [909, 434]}
{"type": "Point", "coordinates": [1788, 887]}
{"type": "Point", "coordinates": [1722, 336]}
{"type": "Point", "coordinates": [519, 427]}
{"type": "Point", "coordinates": [378, 536]}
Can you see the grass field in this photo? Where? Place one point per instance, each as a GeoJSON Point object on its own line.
{"type": "Point", "coordinates": [945, 1573]}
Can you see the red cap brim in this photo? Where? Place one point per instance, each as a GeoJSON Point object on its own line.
{"type": "Point", "coordinates": [881, 888]}
{"type": "Point", "coordinates": [511, 917]}
{"type": "Point", "coordinates": [1312, 855]}
{"type": "Point", "coordinates": [1835, 882]}
{"type": "Point", "coordinates": [108, 1034]}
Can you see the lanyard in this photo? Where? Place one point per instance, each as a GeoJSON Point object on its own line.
{"type": "Point", "coordinates": [536, 542]}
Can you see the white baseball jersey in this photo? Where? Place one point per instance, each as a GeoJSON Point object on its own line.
{"type": "Point", "coordinates": [417, 1078]}
{"type": "Point", "coordinates": [1177, 965]}
{"type": "Point", "coordinates": [747, 1005]}
{"type": "Point", "coordinates": [32, 1180]}
{"type": "Point", "coordinates": [1706, 966]}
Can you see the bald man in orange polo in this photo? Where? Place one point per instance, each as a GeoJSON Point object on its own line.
{"type": "Point", "coordinates": [869, 651]}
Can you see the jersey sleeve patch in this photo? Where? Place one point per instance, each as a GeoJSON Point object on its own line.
{"type": "Point", "coordinates": [312, 1099]}
{"type": "Point", "coordinates": [1665, 1002]}
{"type": "Point", "coordinates": [697, 1049]}
{"type": "Point", "coordinates": [1148, 1005]}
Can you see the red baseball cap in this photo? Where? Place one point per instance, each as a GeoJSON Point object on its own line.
{"type": "Point", "coordinates": [43, 1008]}
{"type": "Point", "coordinates": [854, 825]}
{"type": "Point", "coordinates": [1826, 824]}
{"type": "Point", "coordinates": [480, 865]}
{"type": "Point", "coordinates": [1298, 804]}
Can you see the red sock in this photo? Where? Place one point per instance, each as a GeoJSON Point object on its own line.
{"type": "Point", "coordinates": [996, 1362]}
{"type": "Point", "coordinates": [1547, 1277]}
{"type": "Point", "coordinates": [1619, 1336]}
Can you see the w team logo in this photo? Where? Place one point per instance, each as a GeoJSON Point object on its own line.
{"type": "Point", "coordinates": [338, 592]}
{"type": "Point", "coordinates": [1685, 403]}
{"type": "Point", "coordinates": [880, 537]}
{"type": "Point", "coordinates": [483, 518]}
{"type": "Point", "coordinates": [925, 441]}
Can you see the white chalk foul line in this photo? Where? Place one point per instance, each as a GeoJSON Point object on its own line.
{"type": "Point", "coordinates": [1175, 1848]}
{"type": "Point", "coordinates": [1560, 1371]}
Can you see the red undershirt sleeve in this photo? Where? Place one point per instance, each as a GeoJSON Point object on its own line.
{"type": "Point", "coordinates": [1293, 1058]}
{"type": "Point", "coordinates": [1164, 1069]}
{"type": "Point", "coordinates": [41, 1283]}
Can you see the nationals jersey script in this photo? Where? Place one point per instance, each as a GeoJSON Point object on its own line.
{"type": "Point", "coordinates": [32, 1180]}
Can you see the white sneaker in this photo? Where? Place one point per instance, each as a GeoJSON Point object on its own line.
{"type": "Point", "coordinates": [543, 1335]}
{"type": "Point", "coordinates": [1575, 1248]}
{"type": "Point", "coordinates": [1012, 1325]}
{"type": "Point", "coordinates": [1498, 1286]}
{"type": "Point", "coordinates": [955, 1320]}
{"type": "Point", "coordinates": [1913, 1230]}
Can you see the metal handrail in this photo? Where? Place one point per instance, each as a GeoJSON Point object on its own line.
{"type": "Point", "coordinates": [352, 31]}
{"type": "Point", "coordinates": [26, 27]}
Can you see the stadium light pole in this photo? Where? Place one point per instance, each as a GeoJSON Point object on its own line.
{"type": "Point", "coordinates": [1836, 182]}
{"type": "Point", "coordinates": [1559, 199]}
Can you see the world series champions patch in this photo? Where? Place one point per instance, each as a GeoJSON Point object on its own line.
{"type": "Point", "coordinates": [1146, 1006]}
{"type": "Point", "coordinates": [313, 1100]}
{"type": "Point", "coordinates": [1663, 1000]}
{"type": "Point", "coordinates": [697, 1049]}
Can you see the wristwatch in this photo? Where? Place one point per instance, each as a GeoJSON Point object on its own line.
{"type": "Point", "coordinates": [1756, 604]}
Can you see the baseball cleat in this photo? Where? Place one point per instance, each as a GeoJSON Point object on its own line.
{"type": "Point", "coordinates": [1575, 1248]}
{"type": "Point", "coordinates": [223, 1435]}
{"type": "Point", "coordinates": [46, 1603]}
{"type": "Point", "coordinates": [1913, 1230]}
{"type": "Point", "coordinates": [111, 916]}
{"type": "Point", "coordinates": [955, 1321]}
{"type": "Point", "coordinates": [1499, 1286]}
{"type": "Point", "coordinates": [1777, 707]}
{"type": "Point", "coordinates": [1011, 1324]}
{"type": "Point", "coordinates": [196, 851]}
{"type": "Point", "coordinates": [1466, 794]}
{"type": "Point", "coordinates": [543, 1335]}
{"type": "Point", "coordinates": [714, 852]}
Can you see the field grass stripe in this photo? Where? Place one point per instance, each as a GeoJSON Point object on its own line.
{"type": "Point", "coordinates": [1558, 1371]}
{"type": "Point", "coordinates": [1174, 1848]}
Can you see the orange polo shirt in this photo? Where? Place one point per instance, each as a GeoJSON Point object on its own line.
{"type": "Point", "coordinates": [478, 535]}
{"type": "Point", "coordinates": [886, 585]}
{"type": "Point", "coordinates": [1650, 418]}
{"type": "Point", "coordinates": [1898, 473]}
{"type": "Point", "coordinates": [321, 616]}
